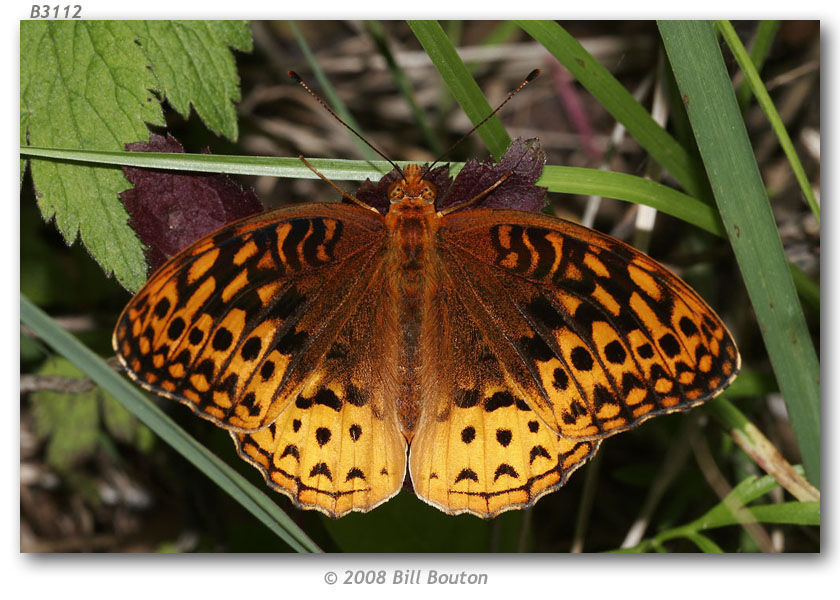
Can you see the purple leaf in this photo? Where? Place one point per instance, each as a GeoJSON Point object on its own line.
{"type": "Point", "coordinates": [171, 209]}
{"type": "Point", "coordinates": [524, 158]}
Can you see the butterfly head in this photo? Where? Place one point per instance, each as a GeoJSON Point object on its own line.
{"type": "Point", "coordinates": [413, 186]}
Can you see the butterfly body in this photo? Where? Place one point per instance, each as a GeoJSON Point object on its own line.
{"type": "Point", "coordinates": [485, 351]}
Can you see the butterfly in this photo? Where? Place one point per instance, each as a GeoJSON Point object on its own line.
{"type": "Point", "coordinates": [483, 351]}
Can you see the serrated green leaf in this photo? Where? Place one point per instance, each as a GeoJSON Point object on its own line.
{"type": "Point", "coordinates": [85, 85]}
{"type": "Point", "coordinates": [89, 85]}
{"type": "Point", "coordinates": [194, 66]}
{"type": "Point", "coordinates": [69, 422]}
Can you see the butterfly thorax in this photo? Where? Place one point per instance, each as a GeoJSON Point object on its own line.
{"type": "Point", "coordinates": [411, 258]}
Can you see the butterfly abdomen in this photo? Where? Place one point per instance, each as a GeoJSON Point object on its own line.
{"type": "Point", "coordinates": [411, 225]}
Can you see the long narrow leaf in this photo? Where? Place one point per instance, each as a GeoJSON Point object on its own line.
{"type": "Point", "coordinates": [135, 401]}
{"type": "Point", "coordinates": [334, 98]}
{"type": "Point", "coordinates": [766, 104]}
{"type": "Point", "coordinates": [460, 82]}
{"type": "Point", "coordinates": [762, 42]}
{"type": "Point", "coordinates": [760, 449]}
{"type": "Point", "coordinates": [380, 39]}
{"type": "Point", "coordinates": [742, 201]}
{"type": "Point", "coordinates": [569, 180]}
{"type": "Point", "coordinates": [615, 98]}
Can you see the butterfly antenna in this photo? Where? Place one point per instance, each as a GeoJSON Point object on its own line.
{"type": "Point", "coordinates": [531, 76]}
{"type": "Point", "coordinates": [326, 106]}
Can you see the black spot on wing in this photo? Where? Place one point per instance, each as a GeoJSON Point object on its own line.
{"type": "Point", "coordinates": [466, 474]}
{"type": "Point", "coordinates": [505, 469]}
{"type": "Point", "coordinates": [355, 473]}
{"type": "Point", "coordinates": [321, 469]}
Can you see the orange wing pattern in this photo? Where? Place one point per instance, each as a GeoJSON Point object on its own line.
{"type": "Point", "coordinates": [498, 346]}
{"type": "Point", "coordinates": [338, 447]}
{"type": "Point", "coordinates": [596, 336]}
{"type": "Point", "coordinates": [479, 447]}
{"type": "Point", "coordinates": [246, 328]}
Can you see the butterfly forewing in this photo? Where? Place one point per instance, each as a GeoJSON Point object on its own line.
{"type": "Point", "coordinates": [226, 327]}
{"type": "Point", "coordinates": [596, 336]}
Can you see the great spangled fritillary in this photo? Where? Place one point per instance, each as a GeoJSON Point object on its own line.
{"type": "Point", "coordinates": [486, 351]}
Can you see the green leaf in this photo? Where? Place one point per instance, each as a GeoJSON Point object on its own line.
{"type": "Point", "coordinates": [704, 543]}
{"type": "Point", "coordinates": [732, 510]}
{"type": "Point", "coordinates": [68, 421]}
{"type": "Point", "coordinates": [763, 97]}
{"type": "Point", "coordinates": [89, 85]}
{"type": "Point", "coordinates": [759, 448]}
{"type": "Point", "coordinates": [460, 82]}
{"type": "Point", "coordinates": [85, 85]}
{"type": "Point", "coordinates": [380, 39]}
{"type": "Point", "coordinates": [336, 102]}
{"type": "Point", "coordinates": [124, 426]}
{"type": "Point", "coordinates": [722, 139]}
{"type": "Point", "coordinates": [193, 65]}
{"type": "Point", "coordinates": [570, 180]}
{"type": "Point", "coordinates": [615, 98]}
{"type": "Point", "coordinates": [759, 49]}
{"type": "Point", "coordinates": [797, 513]}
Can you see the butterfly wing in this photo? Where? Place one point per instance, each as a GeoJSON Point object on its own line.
{"type": "Point", "coordinates": [544, 338]}
{"type": "Point", "coordinates": [338, 446]}
{"type": "Point", "coordinates": [232, 325]}
{"type": "Point", "coordinates": [241, 327]}
{"type": "Point", "coordinates": [594, 335]}
{"type": "Point", "coordinates": [479, 447]}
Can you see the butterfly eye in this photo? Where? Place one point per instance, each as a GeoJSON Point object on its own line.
{"type": "Point", "coordinates": [396, 192]}
{"type": "Point", "coordinates": [428, 193]}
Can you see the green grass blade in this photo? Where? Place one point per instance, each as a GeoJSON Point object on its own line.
{"type": "Point", "coordinates": [615, 98]}
{"type": "Point", "coordinates": [380, 39]}
{"type": "Point", "coordinates": [704, 543]}
{"type": "Point", "coordinates": [610, 184]}
{"type": "Point", "coordinates": [732, 510]}
{"type": "Point", "coordinates": [328, 90]}
{"type": "Point", "coordinates": [460, 82]}
{"type": "Point", "coordinates": [251, 498]}
{"type": "Point", "coordinates": [742, 201]}
{"type": "Point", "coordinates": [757, 86]}
{"type": "Point", "coordinates": [762, 42]}
{"type": "Point", "coordinates": [501, 33]}
{"type": "Point", "coordinates": [808, 289]}
{"type": "Point", "coordinates": [570, 180]}
{"type": "Point", "coordinates": [796, 513]}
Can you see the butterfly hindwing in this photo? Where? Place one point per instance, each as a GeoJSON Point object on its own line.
{"type": "Point", "coordinates": [479, 447]}
{"type": "Point", "coordinates": [338, 447]}
{"type": "Point", "coordinates": [595, 334]}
